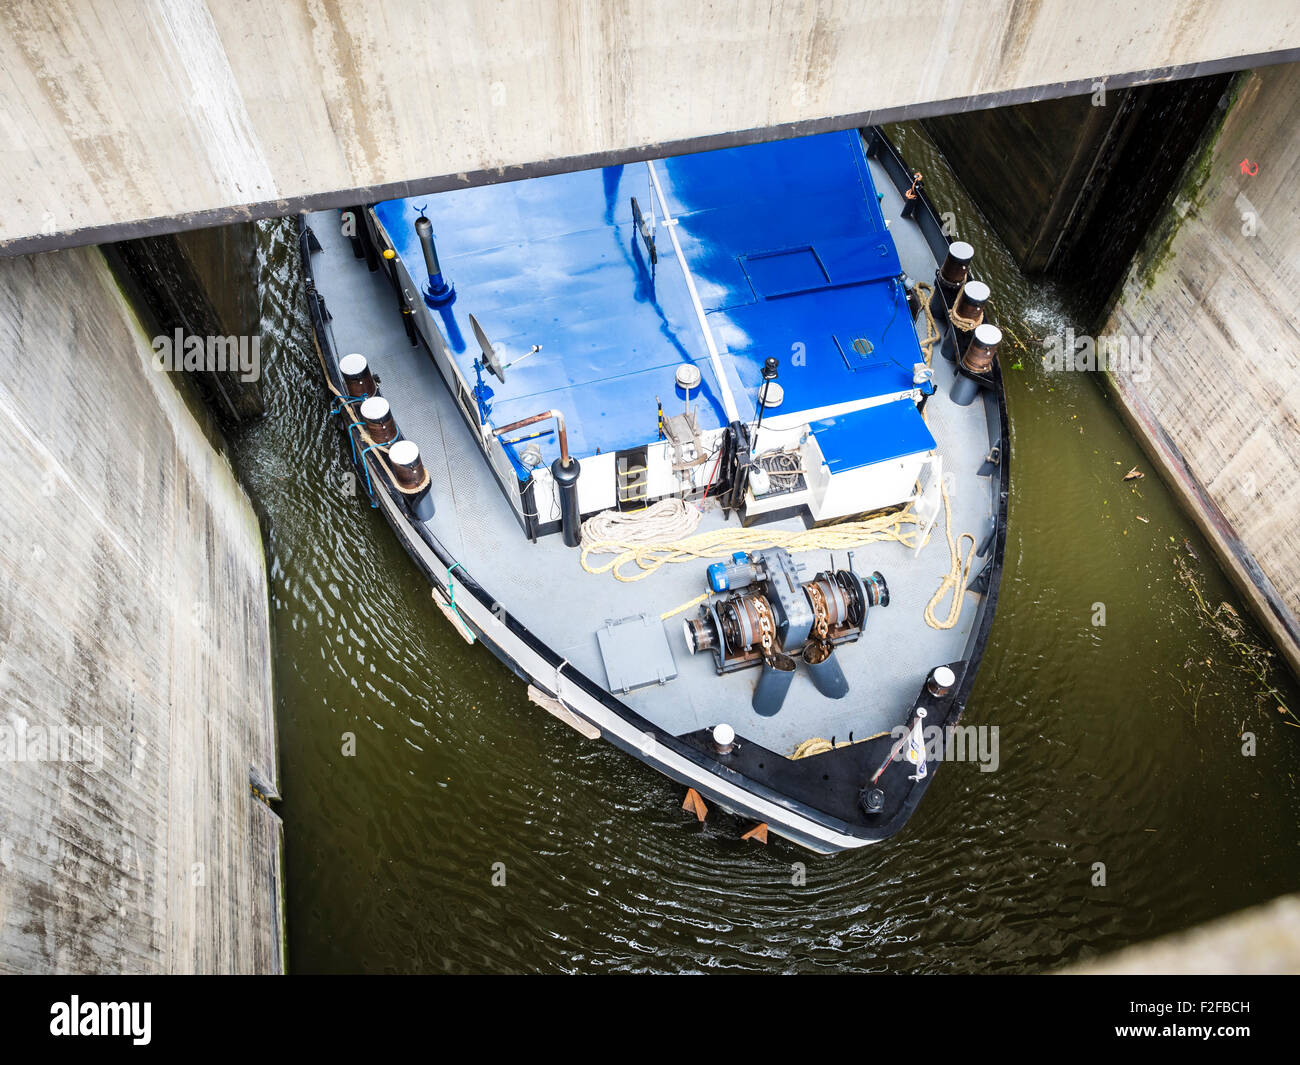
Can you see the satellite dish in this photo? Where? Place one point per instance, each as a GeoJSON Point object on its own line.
{"type": "Point", "coordinates": [490, 359]}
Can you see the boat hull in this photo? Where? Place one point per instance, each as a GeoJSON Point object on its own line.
{"type": "Point", "coordinates": [681, 758]}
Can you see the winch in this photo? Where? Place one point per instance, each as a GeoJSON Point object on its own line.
{"type": "Point", "coordinates": [765, 613]}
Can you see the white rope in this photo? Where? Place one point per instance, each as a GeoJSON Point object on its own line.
{"type": "Point", "coordinates": [662, 522]}
{"type": "Point", "coordinates": [558, 678]}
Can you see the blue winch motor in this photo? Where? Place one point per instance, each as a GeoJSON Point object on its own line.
{"type": "Point", "coordinates": [740, 572]}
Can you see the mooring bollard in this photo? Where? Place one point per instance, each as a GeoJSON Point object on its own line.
{"type": "Point", "coordinates": [978, 358]}
{"type": "Point", "coordinates": [378, 417]}
{"type": "Point", "coordinates": [949, 278]}
{"type": "Point", "coordinates": [409, 472]}
{"type": "Point", "coordinates": [358, 381]}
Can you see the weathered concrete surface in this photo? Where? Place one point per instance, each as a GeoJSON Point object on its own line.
{"type": "Point", "coordinates": [1216, 290]}
{"type": "Point", "coordinates": [1044, 151]}
{"type": "Point", "coordinates": [1264, 940]}
{"type": "Point", "coordinates": [133, 600]}
{"type": "Point", "coordinates": [144, 116]}
{"type": "Point", "coordinates": [1089, 173]}
{"type": "Point", "coordinates": [205, 284]}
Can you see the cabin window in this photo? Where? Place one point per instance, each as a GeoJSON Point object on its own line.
{"type": "Point", "coordinates": [467, 402]}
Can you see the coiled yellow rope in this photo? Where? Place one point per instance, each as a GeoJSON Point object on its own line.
{"type": "Point", "coordinates": [956, 577]}
{"type": "Point", "coordinates": [817, 745]}
{"type": "Point", "coordinates": [685, 606]}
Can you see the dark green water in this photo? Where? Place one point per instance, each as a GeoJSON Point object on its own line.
{"type": "Point", "coordinates": [1119, 744]}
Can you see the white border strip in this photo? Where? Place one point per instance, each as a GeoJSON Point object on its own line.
{"type": "Point", "coordinates": [715, 358]}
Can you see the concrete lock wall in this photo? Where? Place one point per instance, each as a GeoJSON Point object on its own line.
{"type": "Point", "coordinates": [205, 283]}
{"type": "Point", "coordinates": [1264, 940]}
{"type": "Point", "coordinates": [1215, 288]}
{"type": "Point", "coordinates": [147, 116]}
{"type": "Point", "coordinates": [135, 684]}
{"type": "Point", "coordinates": [1072, 185]}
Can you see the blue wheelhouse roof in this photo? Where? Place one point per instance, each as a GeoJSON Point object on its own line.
{"type": "Point", "coordinates": [790, 255]}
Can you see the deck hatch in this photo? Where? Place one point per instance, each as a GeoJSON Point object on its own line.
{"type": "Point", "coordinates": [773, 274]}
{"type": "Point", "coordinates": [858, 350]}
{"type": "Point", "coordinates": [636, 653]}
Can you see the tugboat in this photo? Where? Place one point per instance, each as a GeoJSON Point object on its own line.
{"type": "Point", "coordinates": [710, 450]}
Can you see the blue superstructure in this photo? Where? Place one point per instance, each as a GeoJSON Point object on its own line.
{"type": "Point", "coordinates": [790, 256]}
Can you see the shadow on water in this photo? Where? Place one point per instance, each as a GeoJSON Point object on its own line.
{"type": "Point", "coordinates": [1119, 744]}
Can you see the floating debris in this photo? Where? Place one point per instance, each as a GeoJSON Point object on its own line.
{"type": "Point", "coordinates": [1134, 475]}
{"type": "Point", "coordinates": [1252, 659]}
{"type": "Point", "coordinates": [1141, 519]}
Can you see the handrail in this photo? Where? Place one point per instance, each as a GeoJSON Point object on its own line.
{"type": "Point", "coordinates": [533, 420]}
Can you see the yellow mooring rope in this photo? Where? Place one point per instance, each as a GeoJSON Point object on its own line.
{"type": "Point", "coordinates": [956, 577]}
{"type": "Point", "coordinates": [955, 580]}
{"type": "Point", "coordinates": [817, 745]}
